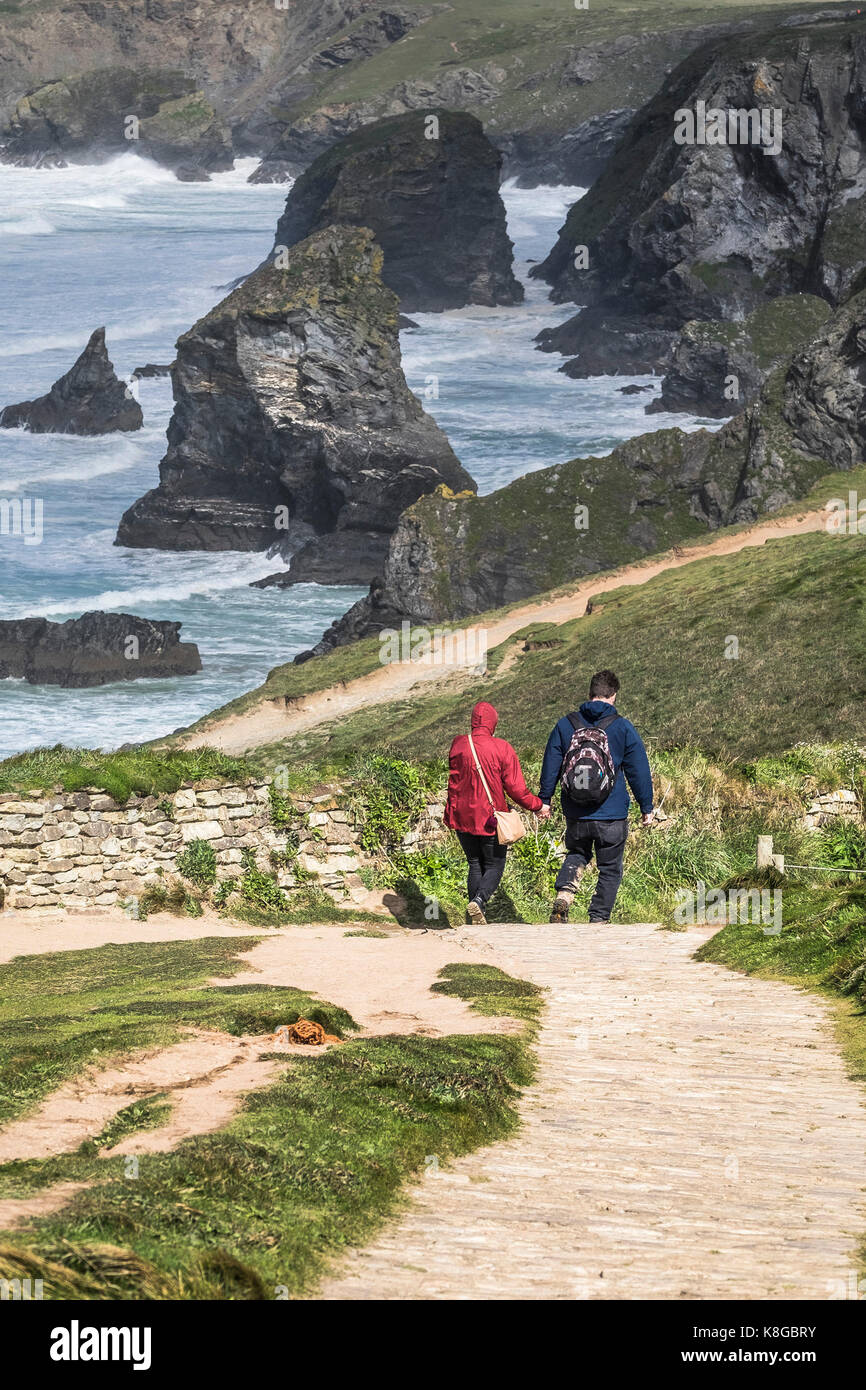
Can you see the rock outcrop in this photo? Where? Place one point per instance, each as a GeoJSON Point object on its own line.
{"type": "Point", "coordinates": [89, 399]}
{"type": "Point", "coordinates": [451, 557]}
{"type": "Point", "coordinates": [697, 230]}
{"type": "Point", "coordinates": [293, 424]}
{"type": "Point", "coordinates": [718, 368]}
{"type": "Point", "coordinates": [427, 183]}
{"type": "Point", "coordinates": [160, 114]}
{"type": "Point", "coordinates": [95, 649]}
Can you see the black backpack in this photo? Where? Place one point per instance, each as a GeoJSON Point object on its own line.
{"type": "Point", "coordinates": [588, 771]}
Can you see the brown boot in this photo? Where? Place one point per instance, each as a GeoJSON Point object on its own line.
{"type": "Point", "coordinates": [561, 905]}
{"type": "Point", "coordinates": [475, 913]}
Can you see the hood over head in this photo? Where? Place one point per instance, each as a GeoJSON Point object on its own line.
{"type": "Point", "coordinates": [594, 710]}
{"type": "Point", "coordinates": [484, 718]}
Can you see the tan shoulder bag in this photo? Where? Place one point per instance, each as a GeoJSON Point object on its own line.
{"type": "Point", "coordinates": [509, 826]}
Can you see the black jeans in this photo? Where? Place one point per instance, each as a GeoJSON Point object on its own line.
{"type": "Point", "coordinates": [607, 838]}
{"type": "Point", "coordinates": [486, 858]}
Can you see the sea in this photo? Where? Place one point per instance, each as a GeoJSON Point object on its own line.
{"type": "Point", "coordinates": [124, 244]}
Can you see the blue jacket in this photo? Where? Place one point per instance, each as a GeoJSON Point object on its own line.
{"type": "Point", "coordinates": [629, 756]}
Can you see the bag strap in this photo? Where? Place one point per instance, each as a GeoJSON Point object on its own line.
{"type": "Point", "coordinates": [577, 721]}
{"type": "Point", "coordinates": [481, 774]}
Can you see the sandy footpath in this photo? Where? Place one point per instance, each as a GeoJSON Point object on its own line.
{"type": "Point", "coordinates": [384, 983]}
{"type": "Point", "coordinates": [273, 719]}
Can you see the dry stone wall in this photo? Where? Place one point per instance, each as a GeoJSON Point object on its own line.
{"type": "Point", "coordinates": [83, 849]}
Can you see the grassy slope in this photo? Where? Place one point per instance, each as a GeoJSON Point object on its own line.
{"type": "Point", "coordinates": [531, 36]}
{"type": "Point", "coordinates": [795, 605]}
{"type": "Point", "coordinates": [311, 1164]}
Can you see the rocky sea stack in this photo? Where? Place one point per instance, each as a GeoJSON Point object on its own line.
{"type": "Point", "coordinates": [427, 183]}
{"type": "Point", "coordinates": [89, 399]}
{"type": "Point", "coordinates": [95, 649]}
{"type": "Point", "coordinates": [293, 423]}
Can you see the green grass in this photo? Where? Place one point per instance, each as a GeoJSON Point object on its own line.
{"type": "Point", "coordinates": [62, 1013]}
{"type": "Point", "coordinates": [796, 607]}
{"type": "Point", "coordinates": [135, 770]}
{"type": "Point", "coordinates": [311, 1164]}
{"type": "Point", "coordinates": [520, 37]}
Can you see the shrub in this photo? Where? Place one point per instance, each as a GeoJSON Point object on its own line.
{"type": "Point", "coordinates": [198, 863]}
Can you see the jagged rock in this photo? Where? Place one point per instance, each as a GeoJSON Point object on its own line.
{"type": "Point", "coordinates": [82, 118]}
{"type": "Point", "coordinates": [360, 552]}
{"type": "Point", "coordinates": [89, 399]}
{"type": "Point", "coordinates": [433, 204]}
{"type": "Point", "coordinates": [151, 369]}
{"type": "Point", "coordinates": [718, 368]}
{"type": "Point", "coordinates": [95, 649]}
{"type": "Point", "coordinates": [293, 423]}
{"type": "Point", "coordinates": [700, 231]}
{"type": "Point", "coordinates": [810, 418]}
{"type": "Point", "coordinates": [610, 344]}
{"type": "Point", "coordinates": [575, 156]}
{"type": "Point", "coordinates": [451, 557]}
{"type": "Point", "coordinates": [633, 389]}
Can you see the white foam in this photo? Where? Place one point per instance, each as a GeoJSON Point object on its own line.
{"type": "Point", "coordinates": [204, 575]}
{"type": "Point", "coordinates": [29, 225]}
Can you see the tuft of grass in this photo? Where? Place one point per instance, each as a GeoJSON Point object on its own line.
{"type": "Point", "coordinates": [488, 990]}
{"type": "Point", "coordinates": [142, 771]}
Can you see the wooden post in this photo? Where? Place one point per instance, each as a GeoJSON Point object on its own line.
{"type": "Point", "coordinates": [779, 862]}
{"type": "Point", "coordinates": [765, 851]}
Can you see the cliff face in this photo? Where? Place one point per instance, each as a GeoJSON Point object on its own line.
{"type": "Point", "coordinates": [293, 420]}
{"type": "Point", "coordinates": [428, 186]}
{"type": "Point", "coordinates": [87, 118]}
{"type": "Point", "coordinates": [89, 399]}
{"type": "Point", "coordinates": [451, 557]}
{"type": "Point", "coordinates": [95, 649]}
{"type": "Point", "coordinates": [554, 86]}
{"type": "Point", "coordinates": [712, 231]}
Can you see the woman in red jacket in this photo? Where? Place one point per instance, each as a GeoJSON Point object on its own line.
{"type": "Point", "coordinates": [469, 811]}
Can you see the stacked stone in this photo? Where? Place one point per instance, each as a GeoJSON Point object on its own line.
{"type": "Point", "coordinates": [330, 849]}
{"type": "Point", "coordinates": [428, 829]}
{"type": "Point", "coordinates": [83, 849]}
{"type": "Point", "coordinates": [829, 805]}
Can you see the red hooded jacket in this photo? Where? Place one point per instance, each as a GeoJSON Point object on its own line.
{"type": "Point", "coordinates": [468, 807]}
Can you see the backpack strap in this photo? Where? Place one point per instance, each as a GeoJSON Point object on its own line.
{"type": "Point", "coordinates": [577, 721]}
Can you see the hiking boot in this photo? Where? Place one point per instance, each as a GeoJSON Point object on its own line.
{"type": "Point", "coordinates": [559, 911]}
{"type": "Point", "coordinates": [475, 913]}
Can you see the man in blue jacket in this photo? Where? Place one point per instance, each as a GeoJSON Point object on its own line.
{"type": "Point", "coordinates": [604, 828]}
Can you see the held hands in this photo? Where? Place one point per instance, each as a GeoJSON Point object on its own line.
{"type": "Point", "coordinates": [648, 818]}
{"type": "Point", "coordinates": [544, 813]}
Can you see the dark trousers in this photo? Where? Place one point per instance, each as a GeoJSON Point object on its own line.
{"type": "Point", "coordinates": [486, 858]}
{"type": "Point", "coordinates": [607, 838]}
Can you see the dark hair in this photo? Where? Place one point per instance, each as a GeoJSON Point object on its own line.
{"type": "Point", "coordinates": [605, 684]}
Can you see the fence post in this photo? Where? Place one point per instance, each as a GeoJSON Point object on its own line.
{"type": "Point", "coordinates": [765, 851]}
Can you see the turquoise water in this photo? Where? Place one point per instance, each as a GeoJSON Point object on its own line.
{"type": "Point", "coordinates": [125, 245]}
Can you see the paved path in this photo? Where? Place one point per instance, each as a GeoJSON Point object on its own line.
{"type": "Point", "coordinates": [692, 1134]}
